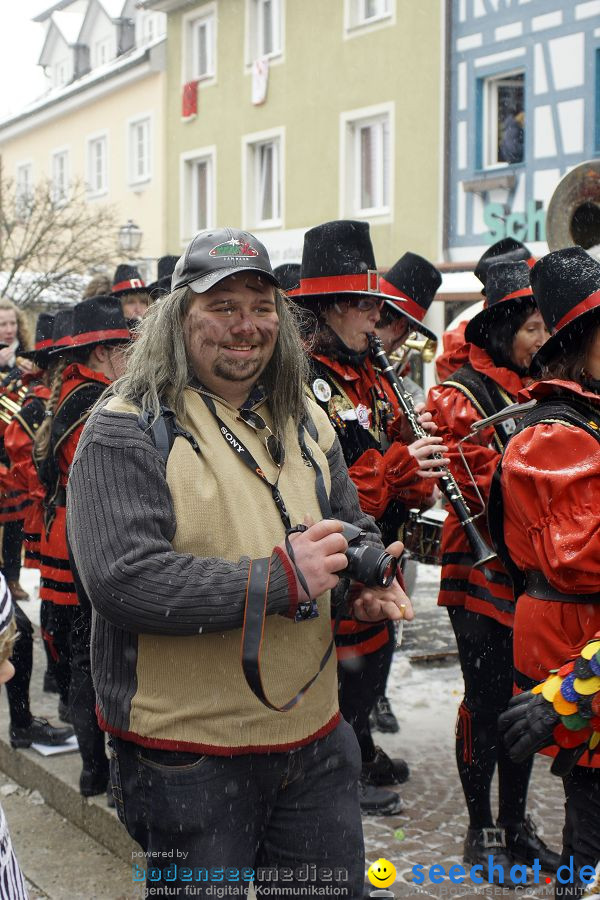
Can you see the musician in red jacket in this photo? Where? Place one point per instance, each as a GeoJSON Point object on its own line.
{"type": "Point", "coordinates": [26, 728]}
{"type": "Point", "coordinates": [14, 338]}
{"type": "Point", "coordinates": [92, 359]}
{"type": "Point", "coordinates": [18, 444]}
{"type": "Point", "coordinates": [455, 353]}
{"type": "Point", "coordinates": [502, 341]}
{"type": "Point", "coordinates": [551, 496]}
{"type": "Point", "coordinates": [392, 471]}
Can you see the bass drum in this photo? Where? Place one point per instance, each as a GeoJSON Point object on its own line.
{"type": "Point", "coordinates": [423, 535]}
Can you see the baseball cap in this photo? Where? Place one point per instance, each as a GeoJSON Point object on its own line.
{"type": "Point", "coordinates": [215, 254]}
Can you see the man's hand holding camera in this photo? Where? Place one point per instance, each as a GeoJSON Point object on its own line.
{"type": "Point", "coordinates": [320, 554]}
{"type": "Point", "coordinates": [374, 604]}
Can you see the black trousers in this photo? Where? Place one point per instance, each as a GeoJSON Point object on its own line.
{"type": "Point", "coordinates": [361, 680]}
{"type": "Point", "coordinates": [58, 629]}
{"type": "Point", "coordinates": [12, 544]}
{"type": "Point", "coordinates": [17, 689]}
{"type": "Point", "coordinates": [486, 658]}
{"type": "Point", "coordinates": [82, 697]}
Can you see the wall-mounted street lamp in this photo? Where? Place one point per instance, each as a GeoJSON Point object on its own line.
{"type": "Point", "coordinates": [129, 238]}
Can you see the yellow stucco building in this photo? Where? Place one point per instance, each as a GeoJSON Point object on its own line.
{"type": "Point", "coordinates": [281, 114]}
{"type": "Point", "coordinates": [101, 120]}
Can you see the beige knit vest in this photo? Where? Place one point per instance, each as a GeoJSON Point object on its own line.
{"type": "Point", "coordinates": [191, 690]}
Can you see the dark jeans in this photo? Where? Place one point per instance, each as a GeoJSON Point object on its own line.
{"type": "Point", "coordinates": [297, 810]}
{"type": "Point", "coordinates": [581, 832]}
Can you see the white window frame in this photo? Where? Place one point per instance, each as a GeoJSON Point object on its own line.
{"type": "Point", "coordinates": [190, 23]}
{"type": "Point", "coordinates": [189, 223]}
{"type": "Point", "coordinates": [94, 191]}
{"type": "Point", "coordinates": [136, 178]}
{"type": "Point", "coordinates": [351, 124]}
{"type": "Point", "coordinates": [60, 192]}
{"type": "Point", "coordinates": [358, 22]}
{"type": "Point", "coordinates": [254, 31]}
{"type": "Point", "coordinates": [23, 188]}
{"type": "Point", "coordinates": [251, 177]}
{"type": "Point", "coordinates": [489, 126]}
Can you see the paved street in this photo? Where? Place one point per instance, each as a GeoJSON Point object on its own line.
{"type": "Point", "coordinates": [61, 861]}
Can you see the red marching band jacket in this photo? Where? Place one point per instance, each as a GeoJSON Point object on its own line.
{"type": "Point", "coordinates": [551, 497]}
{"type": "Point", "coordinates": [362, 402]}
{"type": "Point", "coordinates": [487, 589]}
{"type": "Point", "coordinates": [18, 443]}
{"type": "Point", "coordinates": [56, 579]}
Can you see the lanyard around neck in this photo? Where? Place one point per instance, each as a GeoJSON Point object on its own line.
{"type": "Point", "coordinates": [239, 448]}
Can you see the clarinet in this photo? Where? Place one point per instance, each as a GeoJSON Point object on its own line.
{"type": "Point", "coordinates": [481, 552]}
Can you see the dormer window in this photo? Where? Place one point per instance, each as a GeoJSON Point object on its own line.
{"type": "Point", "coordinates": [60, 73]}
{"type": "Point", "coordinates": [102, 52]}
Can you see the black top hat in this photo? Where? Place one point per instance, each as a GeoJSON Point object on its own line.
{"type": "Point", "coordinates": [62, 331]}
{"type": "Point", "coordinates": [566, 286]}
{"type": "Point", "coordinates": [288, 275]}
{"type": "Point", "coordinates": [506, 250]}
{"type": "Point", "coordinates": [162, 285]}
{"type": "Point", "coordinates": [411, 284]}
{"type": "Point", "coordinates": [127, 280]}
{"type": "Point", "coordinates": [43, 341]}
{"type": "Point", "coordinates": [507, 286]}
{"type": "Point", "coordinates": [98, 320]}
{"type": "Point", "coordinates": [214, 255]}
{"type": "Point", "coordinates": [338, 258]}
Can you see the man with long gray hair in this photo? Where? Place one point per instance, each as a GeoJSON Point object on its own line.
{"type": "Point", "coordinates": [205, 516]}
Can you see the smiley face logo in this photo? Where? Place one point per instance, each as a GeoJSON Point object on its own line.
{"type": "Point", "coordinates": [382, 873]}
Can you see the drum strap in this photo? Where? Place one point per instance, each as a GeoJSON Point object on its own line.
{"type": "Point", "coordinates": [565, 410]}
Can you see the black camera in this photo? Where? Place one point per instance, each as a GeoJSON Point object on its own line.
{"type": "Point", "coordinates": [366, 563]}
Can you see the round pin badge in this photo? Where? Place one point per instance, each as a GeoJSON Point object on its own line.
{"type": "Point", "coordinates": [321, 390]}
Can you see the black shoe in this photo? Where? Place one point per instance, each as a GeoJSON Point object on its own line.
{"type": "Point", "coordinates": [64, 712]}
{"type": "Point", "coordinates": [480, 844]}
{"type": "Point", "coordinates": [50, 683]}
{"type": "Point", "coordinates": [383, 771]}
{"type": "Point", "coordinates": [39, 732]}
{"type": "Point", "coordinates": [525, 846]}
{"type": "Point", "coordinates": [110, 800]}
{"type": "Point", "coordinates": [382, 717]}
{"type": "Point", "coordinates": [93, 783]}
{"type": "Point", "coordinates": [378, 802]}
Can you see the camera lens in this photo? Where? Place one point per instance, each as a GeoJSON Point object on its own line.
{"type": "Point", "coordinates": [373, 567]}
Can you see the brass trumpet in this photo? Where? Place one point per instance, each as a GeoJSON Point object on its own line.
{"type": "Point", "coordinates": [426, 347]}
{"type": "Point", "coordinates": [8, 409]}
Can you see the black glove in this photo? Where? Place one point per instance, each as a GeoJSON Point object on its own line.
{"type": "Point", "coordinates": [527, 725]}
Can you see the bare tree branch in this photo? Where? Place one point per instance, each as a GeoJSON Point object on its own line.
{"type": "Point", "coordinates": [47, 242]}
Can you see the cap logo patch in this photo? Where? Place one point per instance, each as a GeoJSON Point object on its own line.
{"type": "Point", "coordinates": [233, 249]}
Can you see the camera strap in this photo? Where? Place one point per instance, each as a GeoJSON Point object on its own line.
{"type": "Point", "coordinates": [253, 630]}
{"type": "Point", "coordinates": [257, 589]}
